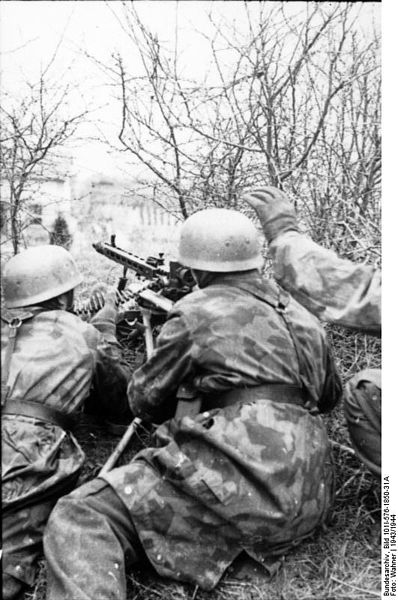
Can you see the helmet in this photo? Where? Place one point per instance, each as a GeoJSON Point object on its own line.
{"type": "Point", "coordinates": [217, 239]}
{"type": "Point", "coordinates": [38, 274]}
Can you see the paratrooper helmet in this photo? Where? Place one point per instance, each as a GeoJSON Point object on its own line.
{"type": "Point", "coordinates": [38, 274]}
{"type": "Point", "coordinates": [220, 240]}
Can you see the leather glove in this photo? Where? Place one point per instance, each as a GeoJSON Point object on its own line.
{"type": "Point", "coordinates": [274, 210]}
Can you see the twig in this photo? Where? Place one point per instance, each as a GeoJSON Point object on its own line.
{"type": "Point", "coordinates": [347, 482]}
{"type": "Point", "coordinates": [145, 587]}
{"type": "Point", "coordinates": [356, 587]}
{"type": "Point", "coordinates": [342, 447]}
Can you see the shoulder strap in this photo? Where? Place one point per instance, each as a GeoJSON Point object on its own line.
{"type": "Point", "coordinates": [280, 303]}
{"type": "Point", "coordinates": [14, 323]}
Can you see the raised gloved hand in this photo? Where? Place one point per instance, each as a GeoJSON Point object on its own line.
{"type": "Point", "coordinates": [274, 210]}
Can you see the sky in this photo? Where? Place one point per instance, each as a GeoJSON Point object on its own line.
{"type": "Point", "coordinates": [32, 31]}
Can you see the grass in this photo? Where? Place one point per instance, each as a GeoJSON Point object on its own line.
{"type": "Point", "coordinates": [340, 562]}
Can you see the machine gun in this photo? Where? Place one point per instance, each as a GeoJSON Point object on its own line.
{"type": "Point", "coordinates": [173, 283]}
{"type": "Point", "coordinates": [154, 298]}
{"type": "Point", "coordinates": [143, 304]}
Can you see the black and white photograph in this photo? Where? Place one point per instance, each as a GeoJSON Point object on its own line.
{"type": "Point", "coordinates": [191, 263]}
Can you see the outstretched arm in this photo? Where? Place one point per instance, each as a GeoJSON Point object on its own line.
{"type": "Point", "coordinates": [334, 289]}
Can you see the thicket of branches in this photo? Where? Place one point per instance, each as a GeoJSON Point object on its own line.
{"type": "Point", "coordinates": [291, 101]}
{"type": "Point", "coordinates": [35, 125]}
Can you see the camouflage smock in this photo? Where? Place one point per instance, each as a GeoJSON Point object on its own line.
{"type": "Point", "coordinates": [334, 289]}
{"type": "Point", "coordinates": [57, 358]}
{"type": "Point", "coordinates": [254, 476]}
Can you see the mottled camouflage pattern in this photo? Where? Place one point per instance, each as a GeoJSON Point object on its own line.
{"type": "Point", "coordinates": [95, 523]}
{"type": "Point", "coordinates": [336, 290]}
{"type": "Point", "coordinates": [362, 408]}
{"type": "Point", "coordinates": [254, 476]}
{"type": "Point", "coordinates": [22, 533]}
{"type": "Point", "coordinates": [57, 358]}
{"type": "Point", "coordinates": [348, 294]}
{"type": "Point", "coordinates": [221, 337]}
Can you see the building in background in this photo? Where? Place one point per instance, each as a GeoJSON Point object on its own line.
{"type": "Point", "coordinates": [94, 207]}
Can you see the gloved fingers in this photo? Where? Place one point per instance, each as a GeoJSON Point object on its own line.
{"type": "Point", "coordinates": [267, 189]}
{"type": "Point", "coordinates": [265, 194]}
{"type": "Point", "coordinates": [274, 209]}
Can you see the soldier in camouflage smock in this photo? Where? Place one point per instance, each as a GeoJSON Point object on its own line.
{"type": "Point", "coordinates": [50, 361]}
{"type": "Point", "coordinates": [251, 472]}
{"type": "Point", "coordinates": [337, 291]}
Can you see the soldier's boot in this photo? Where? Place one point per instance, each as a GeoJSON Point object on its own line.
{"type": "Point", "coordinates": [362, 406]}
{"type": "Point", "coordinates": [89, 542]}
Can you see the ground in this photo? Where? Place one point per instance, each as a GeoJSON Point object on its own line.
{"type": "Point", "coordinates": [342, 561]}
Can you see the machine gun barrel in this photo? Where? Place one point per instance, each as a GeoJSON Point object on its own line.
{"type": "Point", "coordinates": [130, 260]}
{"type": "Point", "coordinates": [173, 283]}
